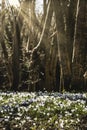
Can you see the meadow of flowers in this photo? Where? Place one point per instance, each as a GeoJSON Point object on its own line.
{"type": "Point", "coordinates": [43, 111]}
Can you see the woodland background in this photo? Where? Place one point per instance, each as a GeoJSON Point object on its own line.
{"type": "Point", "coordinates": [46, 50]}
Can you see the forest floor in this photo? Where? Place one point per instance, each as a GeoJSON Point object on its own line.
{"type": "Point", "coordinates": [43, 111]}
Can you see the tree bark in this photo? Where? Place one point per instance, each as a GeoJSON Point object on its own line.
{"type": "Point", "coordinates": [46, 43]}
{"type": "Point", "coordinates": [69, 13]}
{"type": "Point", "coordinates": [80, 43]}
{"type": "Point", "coordinates": [60, 28]}
{"type": "Point", "coordinates": [8, 64]}
{"type": "Point", "coordinates": [16, 55]}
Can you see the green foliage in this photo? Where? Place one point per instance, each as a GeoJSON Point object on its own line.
{"type": "Point", "coordinates": [42, 111]}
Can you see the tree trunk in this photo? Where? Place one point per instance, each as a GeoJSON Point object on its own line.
{"type": "Point", "coordinates": [16, 55]}
{"type": "Point", "coordinates": [48, 78]}
{"type": "Point", "coordinates": [69, 12]}
{"type": "Point", "coordinates": [80, 43]}
{"type": "Point", "coordinates": [62, 42]}
{"type": "Point", "coordinates": [54, 76]}
{"type": "Point", "coordinates": [8, 64]}
{"type": "Point", "coordinates": [44, 40]}
{"type": "Point", "coordinates": [44, 11]}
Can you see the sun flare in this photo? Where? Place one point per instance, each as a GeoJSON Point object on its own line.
{"type": "Point", "coordinates": [14, 3]}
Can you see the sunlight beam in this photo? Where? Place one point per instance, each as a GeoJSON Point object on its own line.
{"type": "Point", "coordinates": [14, 3]}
